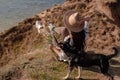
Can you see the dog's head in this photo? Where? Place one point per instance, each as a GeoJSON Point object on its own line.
{"type": "Point", "coordinates": [64, 45]}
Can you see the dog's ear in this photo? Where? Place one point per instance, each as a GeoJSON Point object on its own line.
{"type": "Point", "coordinates": [67, 41]}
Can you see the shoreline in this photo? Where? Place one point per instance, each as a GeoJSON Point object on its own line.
{"type": "Point", "coordinates": [18, 13]}
{"type": "Point", "coordinates": [23, 49]}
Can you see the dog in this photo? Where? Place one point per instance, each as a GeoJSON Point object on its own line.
{"type": "Point", "coordinates": [83, 59]}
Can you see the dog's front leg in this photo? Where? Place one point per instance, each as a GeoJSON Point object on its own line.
{"type": "Point", "coordinates": [69, 72]}
{"type": "Point", "coordinates": [79, 72]}
{"type": "Point", "coordinates": [69, 69]}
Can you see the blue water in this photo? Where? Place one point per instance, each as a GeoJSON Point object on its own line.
{"type": "Point", "coordinates": [14, 11]}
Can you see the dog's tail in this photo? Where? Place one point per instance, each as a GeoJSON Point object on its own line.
{"type": "Point", "coordinates": [116, 52]}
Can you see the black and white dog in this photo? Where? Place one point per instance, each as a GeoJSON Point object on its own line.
{"type": "Point", "coordinates": [83, 59]}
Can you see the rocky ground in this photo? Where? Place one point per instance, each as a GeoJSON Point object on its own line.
{"type": "Point", "coordinates": [25, 54]}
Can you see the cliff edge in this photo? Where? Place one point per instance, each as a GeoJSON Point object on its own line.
{"type": "Point", "coordinates": [22, 42]}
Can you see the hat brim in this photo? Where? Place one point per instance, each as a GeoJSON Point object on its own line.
{"type": "Point", "coordinates": [66, 22]}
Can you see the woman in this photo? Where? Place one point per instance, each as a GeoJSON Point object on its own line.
{"type": "Point", "coordinates": [75, 29]}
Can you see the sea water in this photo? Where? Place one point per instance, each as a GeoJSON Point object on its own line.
{"type": "Point", "coordinates": [14, 11]}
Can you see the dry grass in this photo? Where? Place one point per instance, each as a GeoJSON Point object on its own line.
{"type": "Point", "coordinates": [40, 64]}
{"type": "Point", "coordinates": [45, 67]}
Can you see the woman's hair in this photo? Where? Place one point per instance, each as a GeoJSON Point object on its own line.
{"type": "Point", "coordinates": [79, 40]}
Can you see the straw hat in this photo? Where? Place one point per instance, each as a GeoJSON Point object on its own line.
{"type": "Point", "coordinates": [73, 21]}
